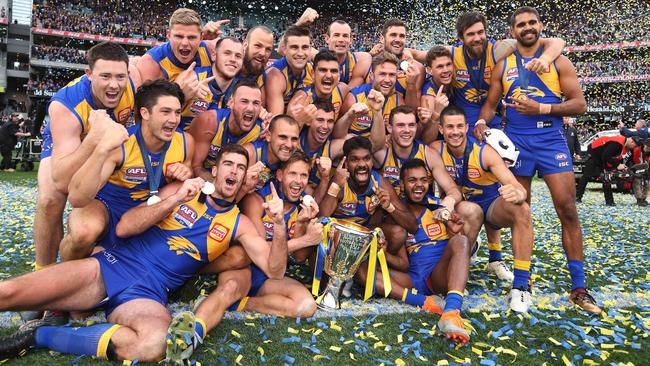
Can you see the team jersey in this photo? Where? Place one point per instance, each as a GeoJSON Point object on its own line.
{"type": "Point", "coordinates": [336, 98]}
{"type": "Point", "coordinates": [261, 154]}
{"type": "Point", "coordinates": [128, 186]}
{"type": "Point", "coordinates": [290, 217]}
{"type": "Point", "coordinates": [294, 82]}
{"type": "Point", "coordinates": [361, 126]}
{"type": "Point", "coordinates": [222, 136]}
{"type": "Point", "coordinates": [392, 164]}
{"type": "Point", "coordinates": [347, 67]}
{"type": "Point", "coordinates": [358, 207]}
{"type": "Point", "coordinates": [542, 88]}
{"type": "Point", "coordinates": [430, 230]}
{"type": "Point", "coordinates": [216, 98]}
{"type": "Point", "coordinates": [477, 184]}
{"type": "Point", "coordinates": [187, 239]}
{"type": "Point", "coordinates": [171, 66]}
{"type": "Point", "coordinates": [77, 97]}
{"type": "Point", "coordinates": [324, 150]}
{"type": "Point", "coordinates": [467, 95]}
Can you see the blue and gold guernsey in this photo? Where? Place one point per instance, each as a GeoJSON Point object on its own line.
{"type": "Point", "coordinates": [170, 66]}
{"type": "Point", "coordinates": [78, 98]}
{"type": "Point", "coordinates": [426, 247]}
{"type": "Point", "coordinates": [336, 98]}
{"type": "Point", "coordinates": [324, 150]}
{"type": "Point", "coordinates": [466, 94]}
{"type": "Point", "coordinates": [358, 207]}
{"type": "Point", "coordinates": [128, 186]}
{"type": "Point", "coordinates": [294, 82]}
{"type": "Point", "coordinates": [392, 164]}
{"type": "Point", "coordinates": [222, 136]}
{"type": "Point", "coordinates": [542, 88]}
{"type": "Point", "coordinates": [290, 217]}
{"type": "Point", "coordinates": [347, 67]}
{"type": "Point", "coordinates": [361, 126]}
{"type": "Point", "coordinates": [478, 185]}
{"type": "Point", "coordinates": [160, 260]}
{"type": "Point", "coordinates": [215, 99]}
{"type": "Point", "coordinates": [262, 154]}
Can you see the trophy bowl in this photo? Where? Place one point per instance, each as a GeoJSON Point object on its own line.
{"type": "Point", "coordinates": [347, 243]}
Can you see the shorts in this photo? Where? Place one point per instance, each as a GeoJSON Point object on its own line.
{"type": "Point", "coordinates": [422, 262]}
{"type": "Point", "coordinates": [258, 278]}
{"type": "Point", "coordinates": [545, 154]}
{"type": "Point", "coordinates": [486, 206]}
{"type": "Point", "coordinates": [125, 280]}
{"type": "Point", "coordinates": [109, 239]}
{"type": "Point", "coordinates": [46, 145]}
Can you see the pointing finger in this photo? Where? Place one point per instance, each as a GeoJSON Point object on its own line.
{"type": "Point", "coordinates": [207, 80]}
{"type": "Point", "coordinates": [274, 192]}
{"type": "Point", "coordinates": [440, 89]}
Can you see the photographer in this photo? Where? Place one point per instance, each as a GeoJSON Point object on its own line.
{"type": "Point", "coordinates": [9, 134]}
{"type": "Point", "coordinates": [606, 153]}
{"type": "Point", "coordinates": [641, 155]}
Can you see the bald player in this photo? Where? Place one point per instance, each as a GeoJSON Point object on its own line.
{"type": "Point", "coordinates": [354, 66]}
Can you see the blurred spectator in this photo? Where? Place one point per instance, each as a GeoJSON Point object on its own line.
{"type": "Point", "coordinates": [9, 134]}
{"type": "Point", "coordinates": [55, 53]}
{"type": "Point", "coordinates": [641, 129]}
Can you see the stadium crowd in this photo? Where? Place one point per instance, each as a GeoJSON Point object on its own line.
{"type": "Point", "coordinates": [56, 53]}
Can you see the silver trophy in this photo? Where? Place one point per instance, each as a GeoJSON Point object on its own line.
{"type": "Point", "coordinates": [347, 243]}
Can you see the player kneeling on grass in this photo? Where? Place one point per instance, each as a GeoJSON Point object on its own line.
{"type": "Point", "coordinates": [433, 260]}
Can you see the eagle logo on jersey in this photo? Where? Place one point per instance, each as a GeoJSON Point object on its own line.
{"type": "Point", "coordinates": [519, 94]}
{"type": "Point", "coordinates": [183, 246]}
{"type": "Point", "coordinates": [472, 95]}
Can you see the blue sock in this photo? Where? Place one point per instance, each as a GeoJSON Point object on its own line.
{"type": "Point", "coordinates": [495, 252]}
{"type": "Point", "coordinates": [522, 272]}
{"type": "Point", "coordinates": [87, 341]}
{"type": "Point", "coordinates": [411, 297]}
{"type": "Point", "coordinates": [577, 271]}
{"type": "Point", "coordinates": [199, 329]}
{"type": "Point", "coordinates": [453, 301]}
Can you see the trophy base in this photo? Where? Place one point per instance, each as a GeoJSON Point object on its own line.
{"type": "Point", "coordinates": [329, 300]}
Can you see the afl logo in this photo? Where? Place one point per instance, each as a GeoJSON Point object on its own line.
{"type": "Point", "coordinates": [199, 106]}
{"type": "Point", "coordinates": [218, 232]}
{"type": "Point", "coordinates": [363, 122]}
{"type": "Point", "coordinates": [462, 75]}
{"type": "Point", "coordinates": [512, 73]}
{"type": "Point", "coordinates": [348, 208]}
{"type": "Point", "coordinates": [135, 174]}
{"type": "Point", "coordinates": [391, 172]}
{"type": "Point", "coordinates": [186, 215]}
{"type": "Point", "coordinates": [561, 156]}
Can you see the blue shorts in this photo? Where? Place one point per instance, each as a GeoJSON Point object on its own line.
{"type": "Point", "coordinates": [125, 280]}
{"type": "Point", "coordinates": [109, 239]}
{"type": "Point", "coordinates": [545, 154]}
{"type": "Point", "coordinates": [485, 206]}
{"type": "Point", "coordinates": [46, 145]}
{"type": "Point", "coordinates": [422, 262]}
{"type": "Point", "coordinates": [258, 277]}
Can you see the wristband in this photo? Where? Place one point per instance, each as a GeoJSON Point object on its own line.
{"type": "Point", "coordinates": [390, 208]}
{"type": "Point", "coordinates": [480, 122]}
{"type": "Point", "coordinates": [544, 108]}
{"type": "Point", "coordinates": [334, 190]}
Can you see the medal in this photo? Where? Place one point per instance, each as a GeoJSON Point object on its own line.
{"type": "Point", "coordinates": [404, 65]}
{"type": "Point", "coordinates": [308, 200]}
{"type": "Point", "coordinates": [444, 215]}
{"type": "Point", "coordinates": [208, 188]}
{"type": "Point", "coordinates": [374, 200]}
{"type": "Point", "coordinates": [153, 200]}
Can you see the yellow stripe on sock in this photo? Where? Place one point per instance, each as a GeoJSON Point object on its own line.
{"type": "Point", "coordinates": [242, 303]}
{"type": "Point", "coordinates": [102, 347]}
{"type": "Point", "coordinates": [38, 268]}
{"type": "Point", "coordinates": [406, 291]}
{"type": "Point", "coordinates": [200, 321]}
{"type": "Point", "coordinates": [522, 265]}
{"type": "Point", "coordinates": [494, 246]}
{"type": "Point", "coordinates": [456, 292]}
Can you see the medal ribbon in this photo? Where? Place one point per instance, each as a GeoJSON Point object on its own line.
{"type": "Point", "coordinates": [153, 173]}
{"type": "Point", "coordinates": [524, 74]}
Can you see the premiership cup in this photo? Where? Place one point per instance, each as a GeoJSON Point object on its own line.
{"type": "Point", "coordinates": [346, 244]}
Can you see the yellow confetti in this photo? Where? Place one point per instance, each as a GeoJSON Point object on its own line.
{"type": "Point", "coordinates": [443, 363]}
{"type": "Point", "coordinates": [377, 325]}
{"type": "Point", "coordinates": [126, 362]}
{"type": "Point", "coordinates": [566, 361]}
{"type": "Point", "coordinates": [379, 344]}
{"type": "Point", "coordinates": [334, 326]}
{"type": "Point", "coordinates": [293, 331]}
{"type": "Point", "coordinates": [238, 359]}
{"type": "Point", "coordinates": [233, 332]}
{"type": "Point", "coordinates": [554, 341]}
{"type": "Point", "coordinates": [335, 348]}
{"type": "Point", "coordinates": [352, 356]}
{"type": "Point", "coordinates": [605, 331]}
{"type": "Point", "coordinates": [400, 362]}
{"type": "Point", "coordinates": [400, 338]}
{"type": "Point", "coordinates": [260, 350]}
{"type": "Point", "coordinates": [477, 351]}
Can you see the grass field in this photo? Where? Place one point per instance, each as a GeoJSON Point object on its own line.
{"type": "Point", "coordinates": [384, 331]}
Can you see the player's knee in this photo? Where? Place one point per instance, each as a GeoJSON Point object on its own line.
{"type": "Point", "coordinates": [306, 306]}
{"type": "Point", "coordinates": [459, 244]}
{"type": "Point", "coordinates": [469, 212]}
{"type": "Point", "coordinates": [151, 345]}
{"type": "Point", "coordinates": [522, 214]}
{"type": "Point", "coordinates": [567, 212]}
{"type": "Point", "coordinates": [83, 235]}
{"type": "Point", "coordinates": [50, 203]}
{"type": "Point", "coordinates": [8, 292]}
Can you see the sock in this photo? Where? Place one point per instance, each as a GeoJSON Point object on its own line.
{"type": "Point", "coordinates": [454, 301]}
{"type": "Point", "coordinates": [577, 271]}
{"type": "Point", "coordinates": [495, 252]}
{"type": "Point", "coordinates": [199, 330]}
{"type": "Point", "coordinates": [87, 341]}
{"type": "Point", "coordinates": [411, 297]}
{"type": "Point", "coordinates": [522, 273]}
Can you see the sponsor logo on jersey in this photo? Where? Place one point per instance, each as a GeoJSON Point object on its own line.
{"type": "Point", "coordinates": [218, 232]}
{"type": "Point", "coordinates": [186, 215]}
{"type": "Point", "coordinates": [487, 74]}
{"type": "Point", "coordinates": [433, 229]}
{"type": "Point", "coordinates": [473, 173]}
{"type": "Point", "coordinates": [136, 174]}
{"type": "Point", "coordinates": [124, 115]}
